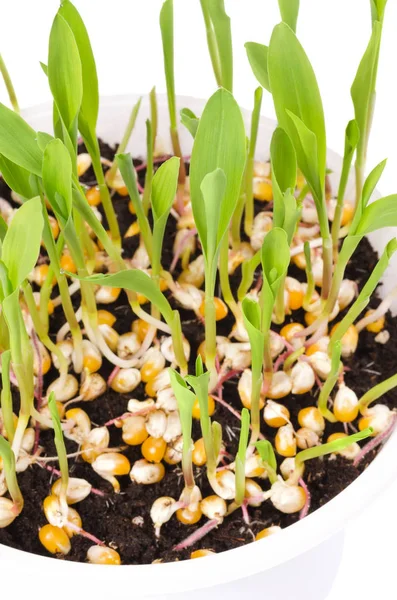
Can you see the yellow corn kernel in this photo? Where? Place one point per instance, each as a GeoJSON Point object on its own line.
{"type": "Point", "coordinates": [54, 539]}
{"type": "Point", "coordinates": [67, 263]}
{"type": "Point", "coordinates": [295, 299]}
{"type": "Point", "coordinates": [154, 364]}
{"type": "Point", "coordinates": [262, 189]}
{"type": "Point", "coordinates": [75, 519]}
{"type": "Point", "coordinates": [106, 318]}
{"type": "Point", "coordinates": [202, 553]}
{"type": "Point", "coordinates": [349, 340]}
{"type": "Point", "coordinates": [310, 318]}
{"type": "Point", "coordinates": [101, 555]}
{"type": "Point", "coordinates": [299, 260]}
{"type": "Point", "coordinates": [54, 226]}
{"type": "Point", "coordinates": [196, 408]}
{"type": "Point", "coordinates": [376, 326]}
{"type": "Point", "coordinates": [134, 431]}
{"type": "Point", "coordinates": [84, 162]}
{"type": "Point", "coordinates": [313, 348]}
{"type": "Point", "coordinates": [199, 457]}
{"type": "Point", "coordinates": [153, 449]}
{"type": "Point", "coordinates": [285, 441]}
{"type": "Point", "coordinates": [189, 517]}
{"type": "Point", "coordinates": [132, 230]}
{"type": "Point", "coordinates": [220, 309]}
{"type": "Point", "coordinates": [264, 533]}
{"type": "Point", "coordinates": [140, 327]}
{"type": "Point", "coordinates": [50, 305]}
{"type": "Point", "coordinates": [93, 196]}
{"type": "Point", "coordinates": [276, 415]}
{"type": "Point", "coordinates": [201, 351]}
{"type": "Point", "coordinates": [107, 295]}
{"type": "Point", "coordinates": [311, 418]}
{"type": "Point", "coordinates": [131, 208]}
{"type": "Point", "coordinates": [91, 362]}
{"type": "Point", "coordinates": [336, 436]}
{"type": "Point", "coordinates": [40, 274]}
{"type": "Point", "coordinates": [288, 331]}
{"type": "Point", "coordinates": [347, 213]}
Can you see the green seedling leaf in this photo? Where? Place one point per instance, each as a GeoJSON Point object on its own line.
{"type": "Point", "coordinates": [331, 447]}
{"type": "Point", "coordinates": [289, 10]}
{"type": "Point", "coordinates": [189, 120]}
{"type": "Point", "coordinates": [252, 322]}
{"type": "Point", "coordinates": [59, 439]}
{"type": "Point", "coordinates": [377, 391]}
{"type": "Point", "coordinates": [88, 114]}
{"type": "Point", "coordinates": [65, 72]}
{"type": "Point", "coordinates": [153, 114]}
{"type": "Point", "coordinates": [266, 452]}
{"type": "Point", "coordinates": [220, 143]}
{"type": "Point", "coordinates": [185, 399]}
{"type": "Point", "coordinates": [18, 141]}
{"type": "Point", "coordinates": [43, 139]}
{"type": "Point", "coordinates": [366, 193]}
{"type": "Point", "coordinates": [364, 296]}
{"type": "Point", "coordinates": [164, 186]}
{"type": "Point", "coordinates": [16, 177]}
{"type": "Point", "coordinates": [330, 382]}
{"type": "Point", "coordinates": [8, 458]}
{"type": "Point", "coordinates": [3, 230]}
{"type": "Point", "coordinates": [257, 56]}
{"type": "Point", "coordinates": [223, 36]}
{"type": "Point", "coordinates": [294, 89]}
{"type": "Point", "coordinates": [247, 202]}
{"type": "Point", "coordinates": [379, 214]}
{"type": "Point", "coordinates": [284, 172]}
{"type": "Point", "coordinates": [21, 244]}
{"type": "Point", "coordinates": [378, 9]}
{"type": "Point", "coordinates": [135, 281]}
{"type": "Point", "coordinates": [167, 36]}
{"type": "Point", "coordinates": [6, 398]}
{"type": "Point", "coordinates": [57, 179]}
{"type": "Point", "coordinates": [275, 258]}
{"type": "Point", "coordinates": [213, 192]}
{"type": "Point", "coordinates": [241, 454]}
{"type": "Point", "coordinates": [248, 270]}
{"type": "Point", "coordinates": [200, 385]}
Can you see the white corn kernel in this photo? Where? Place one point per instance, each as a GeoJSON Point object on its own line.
{"type": "Point", "coordinates": [161, 512]}
{"type": "Point", "coordinates": [93, 385]}
{"type": "Point", "coordinates": [64, 388]}
{"type": "Point", "coordinates": [77, 490]}
{"type": "Point", "coordinates": [126, 380]}
{"type": "Point", "coordinates": [302, 378]}
{"type": "Point", "coordinates": [128, 344]}
{"type": "Point", "coordinates": [213, 507]}
{"type": "Point", "coordinates": [286, 498]}
{"type": "Point", "coordinates": [156, 423]}
{"type": "Point", "coordinates": [173, 429]}
{"type": "Point", "coordinates": [146, 473]}
{"type": "Point", "coordinates": [167, 349]}
{"type": "Point", "coordinates": [321, 364]}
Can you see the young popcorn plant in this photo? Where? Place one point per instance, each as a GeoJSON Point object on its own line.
{"type": "Point", "coordinates": [269, 354]}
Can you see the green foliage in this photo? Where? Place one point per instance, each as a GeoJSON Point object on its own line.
{"type": "Point", "coordinates": [331, 447]}
{"type": "Point", "coordinates": [59, 439]}
{"type": "Point", "coordinates": [18, 141]}
{"type": "Point", "coordinates": [167, 36]}
{"type": "Point", "coordinates": [6, 398]}
{"type": "Point", "coordinates": [275, 258]}
{"type": "Point", "coordinates": [330, 382]}
{"type": "Point", "coordinates": [189, 120]}
{"type": "Point", "coordinates": [185, 399]}
{"type": "Point", "coordinates": [266, 452]}
{"type": "Point", "coordinates": [57, 179]}
{"type": "Point", "coordinates": [284, 173]}
{"type": "Point", "coordinates": [219, 38]}
{"type": "Point", "coordinates": [257, 56]}
{"type": "Point", "coordinates": [289, 10]}
{"type": "Point", "coordinates": [241, 454]}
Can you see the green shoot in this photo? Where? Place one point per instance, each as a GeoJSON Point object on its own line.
{"type": "Point", "coordinates": [126, 168]}
{"type": "Point", "coordinates": [330, 382]}
{"type": "Point", "coordinates": [18, 141]}
{"type": "Point", "coordinates": [309, 277]}
{"type": "Point", "coordinates": [167, 36]}
{"type": "Point", "coordinates": [257, 56]}
{"type": "Point", "coordinates": [147, 192]}
{"type": "Point", "coordinates": [241, 455]}
{"type": "Point", "coordinates": [252, 323]}
{"type": "Point", "coordinates": [185, 399]}
{"type": "Point", "coordinates": [248, 270]}
{"type": "Point", "coordinates": [6, 398]}
{"type": "Point", "coordinates": [289, 10]}
{"type": "Point", "coordinates": [365, 295]}
{"type": "Point", "coordinates": [268, 457]}
{"type": "Point", "coordinates": [363, 91]}
{"type": "Point", "coordinates": [249, 169]}
{"type": "Point", "coordinates": [219, 39]}
{"type": "Point", "coordinates": [153, 116]}
{"type": "Point", "coordinates": [189, 120]}
{"type": "Point", "coordinates": [125, 139]}
{"type": "Point", "coordinates": [212, 432]}
{"type": "Point", "coordinates": [300, 113]}
{"type": "Point", "coordinates": [61, 453]}
{"type": "Point", "coordinates": [376, 392]}
{"type": "Point", "coordinates": [8, 83]}
{"type": "Point", "coordinates": [10, 473]}
{"type": "Point", "coordinates": [352, 136]}
{"type": "Point", "coordinates": [275, 258]}
{"type": "Point", "coordinates": [220, 143]}
{"type": "Point", "coordinates": [331, 447]}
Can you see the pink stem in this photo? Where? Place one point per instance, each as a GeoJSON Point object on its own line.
{"type": "Point", "coordinates": [85, 534]}
{"type": "Point", "coordinates": [281, 358]}
{"type": "Point", "coordinates": [229, 375]}
{"type": "Point", "coordinates": [376, 441]}
{"type": "Point", "coordinates": [39, 387]}
{"type": "Point", "coordinates": [140, 188]}
{"type": "Point", "coordinates": [317, 335]}
{"type": "Point", "coordinates": [137, 413]}
{"type": "Point", "coordinates": [112, 375]}
{"type": "Point", "coordinates": [197, 535]}
{"type": "Point", "coordinates": [244, 510]}
{"type": "Point", "coordinates": [306, 508]}
{"type": "Point", "coordinates": [180, 247]}
{"type": "Point", "coordinates": [58, 474]}
{"type": "Point", "coordinates": [258, 284]}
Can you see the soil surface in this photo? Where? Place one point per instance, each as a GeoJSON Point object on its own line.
{"type": "Point", "coordinates": [114, 518]}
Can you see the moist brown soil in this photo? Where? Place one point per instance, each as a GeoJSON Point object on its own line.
{"type": "Point", "coordinates": [111, 517]}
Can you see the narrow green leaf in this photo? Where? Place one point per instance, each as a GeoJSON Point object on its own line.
{"type": "Point", "coordinates": [294, 88]}
{"type": "Point", "coordinates": [189, 120]}
{"type": "Point", "coordinates": [331, 447]}
{"type": "Point", "coordinates": [220, 142]}
{"type": "Point", "coordinates": [18, 141]}
{"type": "Point", "coordinates": [252, 322]}
{"type": "Point", "coordinates": [378, 9]}
{"type": "Point", "coordinates": [185, 399]}
{"type": "Point", "coordinates": [379, 214]}
{"type": "Point", "coordinates": [284, 172]}
{"type": "Point", "coordinates": [241, 454]}
{"type": "Point", "coordinates": [367, 191]}
{"type": "Point", "coordinates": [164, 186]}
{"type": "Point", "coordinates": [43, 139]}
{"type": "Point", "coordinates": [248, 270]}
{"type": "Point", "coordinates": [57, 179]}
{"type": "Point", "coordinates": [266, 453]}
{"type": "Point", "coordinates": [213, 190]}
{"type": "Point", "coordinates": [90, 100]}
{"type": "Point", "coordinates": [257, 56]}
{"type": "Point", "coordinates": [223, 35]}
{"type": "Point", "coordinates": [3, 231]}
{"type": "Point", "coordinates": [6, 397]}
{"type": "Point", "coordinates": [289, 10]}
{"type": "Point", "coordinates": [16, 177]}
{"type": "Point", "coordinates": [65, 72]}
{"type": "Point", "coordinates": [167, 36]}
{"type": "Point", "coordinates": [275, 258]}
{"type": "Point", "coordinates": [21, 244]}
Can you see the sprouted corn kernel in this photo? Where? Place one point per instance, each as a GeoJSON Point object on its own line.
{"type": "Point", "coordinates": [285, 442]}
{"type": "Point", "coordinates": [244, 388]}
{"type": "Point", "coordinates": [189, 517]}
{"type": "Point", "coordinates": [95, 443]}
{"type": "Point", "coordinates": [213, 507]}
{"type": "Point", "coordinates": [288, 331]}
{"type": "Point", "coordinates": [220, 309]}
{"type": "Point", "coordinates": [377, 325]}
{"type": "Point", "coordinates": [45, 360]}
{"type": "Point", "coordinates": [290, 470]}
{"type": "Point", "coordinates": [153, 449]}
{"type": "Point", "coordinates": [78, 489]}
{"type": "Point", "coordinates": [153, 364]}
{"type": "Point", "coordinates": [64, 388]}
{"type": "Point", "coordinates": [262, 189]}
{"type": "Point", "coordinates": [66, 347]}
{"type": "Point", "coordinates": [254, 467]}
{"type": "Point", "coordinates": [50, 304]}
{"type": "Point", "coordinates": [201, 553]}
{"type": "Point", "coordinates": [7, 512]}
{"type": "Point", "coordinates": [126, 380]}
{"type": "Point", "coordinates": [93, 385]}
{"type": "Point", "coordinates": [173, 453]}
{"type": "Point", "coordinates": [253, 493]}
{"type": "Point", "coordinates": [311, 418]}
{"type": "Point", "coordinates": [102, 555]}
{"type": "Point", "coordinates": [146, 473]}
{"type": "Point", "coordinates": [346, 404]}
{"type": "Point", "coordinates": [280, 385]}
{"type": "Point", "coordinates": [92, 358]}
{"type": "Point", "coordinates": [350, 452]}
{"type": "Point", "coordinates": [93, 196]}
{"type": "Point", "coordinates": [295, 293]}
{"type": "Point", "coordinates": [128, 344]}
{"type": "Point", "coordinates": [134, 431]}
{"type": "Point", "coordinates": [133, 230]}
{"type": "Point", "coordinates": [53, 511]}
{"type": "Point", "coordinates": [110, 336]}
{"type": "Point", "coordinates": [349, 340]}
{"type": "Point", "coordinates": [110, 464]}
{"type": "Point", "coordinates": [275, 415]}
{"type": "Point", "coordinates": [264, 533]}
{"type": "Point", "coordinates": [161, 511]}
{"type": "Point", "coordinates": [54, 539]}
{"type": "Point", "coordinates": [378, 417]}
{"type": "Point", "coordinates": [83, 163]}
{"type": "Point", "coordinates": [156, 424]}
{"type": "Point", "coordinates": [67, 263]}
{"type": "Point", "coordinates": [73, 519]}
{"type": "Point", "coordinates": [302, 378]}
{"type": "Point", "coordinates": [107, 295]}
{"type": "Point", "coordinates": [140, 328]}
{"type": "Point", "coordinates": [321, 364]}
{"type": "Point", "coordinates": [199, 457]}
{"type": "Point", "coordinates": [306, 438]}
{"type": "Point", "coordinates": [287, 498]}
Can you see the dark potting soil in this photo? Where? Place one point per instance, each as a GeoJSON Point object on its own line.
{"type": "Point", "coordinates": [123, 521]}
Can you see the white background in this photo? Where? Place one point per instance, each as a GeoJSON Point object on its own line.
{"type": "Point", "coordinates": [126, 41]}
